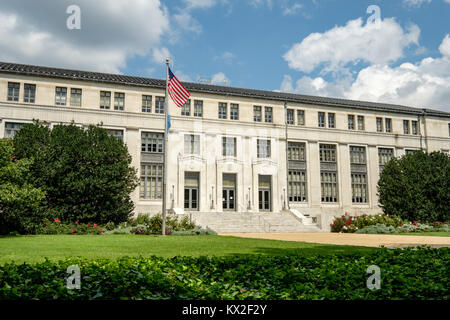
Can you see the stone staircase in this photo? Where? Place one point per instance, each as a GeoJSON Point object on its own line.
{"type": "Point", "coordinates": [248, 222]}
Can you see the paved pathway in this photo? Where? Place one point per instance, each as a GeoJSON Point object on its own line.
{"type": "Point", "coordinates": [366, 240]}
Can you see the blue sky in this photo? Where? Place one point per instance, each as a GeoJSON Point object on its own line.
{"type": "Point", "coordinates": [316, 47]}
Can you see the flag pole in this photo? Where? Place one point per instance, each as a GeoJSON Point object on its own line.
{"type": "Point", "coordinates": [166, 139]}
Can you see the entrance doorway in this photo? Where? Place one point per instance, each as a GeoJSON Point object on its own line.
{"type": "Point", "coordinates": [229, 192]}
{"type": "Point", "coordinates": [191, 191]}
{"type": "Point", "coordinates": [265, 193]}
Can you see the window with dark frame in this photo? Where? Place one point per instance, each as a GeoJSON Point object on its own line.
{"type": "Point", "coordinates": [263, 148]}
{"type": "Point", "coordinates": [11, 129]}
{"type": "Point", "coordinates": [328, 173]}
{"type": "Point", "coordinates": [361, 125]}
{"type": "Point", "coordinates": [29, 93]}
{"type": "Point", "coordinates": [186, 108]}
{"type": "Point", "coordinates": [379, 124]}
{"type": "Point", "coordinates": [405, 126]}
{"type": "Point", "coordinates": [228, 146]}
{"type": "Point", "coordinates": [358, 173]}
{"type": "Point", "coordinates": [351, 122]}
{"type": "Point", "coordinates": [60, 96]}
{"type": "Point", "coordinates": [198, 108]}
{"type": "Point", "coordinates": [384, 155]}
{"type": "Point", "coordinates": [13, 91]}
{"type": "Point", "coordinates": [146, 103]}
{"type": "Point", "coordinates": [191, 144]}
{"type": "Point", "coordinates": [414, 128]}
{"type": "Point", "coordinates": [388, 123]}
{"type": "Point", "coordinates": [234, 111]}
{"type": "Point", "coordinates": [223, 110]}
{"type": "Point", "coordinates": [105, 100]}
{"type": "Point", "coordinates": [268, 114]}
{"type": "Point", "coordinates": [257, 117]}
{"type": "Point", "coordinates": [321, 119]}
{"type": "Point", "coordinates": [119, 101]}
{"type": "Point", "coordinates": [290, 116]}
{"type": "Point", "coordinates": [152, 142]}
{"type": "Point", "coordinates": [75, 97]}
{"type": "Point", "coordinates": [301, 117]}
{"type": "Point", "coordinates": [331, 120]}
{"type": "Point", "coordinates": [297, 183]}
{"type": "Point", "coordinates": [159, 105]}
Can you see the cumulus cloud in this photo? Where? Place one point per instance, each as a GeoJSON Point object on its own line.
{"type": "Point", "coordinates": [376, 43]}
{"type": "Point", "coordinates": [293, 9]}
{"type": "Point", "coordinates": [416, 3]}
{"type": "Point", "coordinates": [159, 55]}
{"type": "Point", "coordinates": [220, 79]}
{"type": "Point", "coordinates": [35, 32]}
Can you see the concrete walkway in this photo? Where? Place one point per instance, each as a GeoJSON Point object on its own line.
{"type": "Point", "coordinates": [366, 240]}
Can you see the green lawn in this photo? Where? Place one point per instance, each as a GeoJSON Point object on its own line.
{"type": "Point", "coordinates": [432, 234]}
{"type": "Point", "coordinates": [55, 247]}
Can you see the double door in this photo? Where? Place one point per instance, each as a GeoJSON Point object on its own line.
{"type": "Point", "coordinates": [229, 192]}
{"type": "Point", "coordinates": [265, 193]}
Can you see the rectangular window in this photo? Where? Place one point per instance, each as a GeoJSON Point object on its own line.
{"type": "Point", "coordinates": [75, 97]}
{"type": "Point", "coordinates": [29, 93]}
{"type": "Point", "coordinates": [414, 127]}
{"type": "Point", "coordinates": [146, 103]}
{"type": "Point", "coordinates": [351, 122]}
{"type": "Point", "coordinates": [357, 155]}
{"type": "Point", "coordinates": [119, 101]}
{"type": "Point", "coordinates": [263, 148]}
{"type": "Point", "coordinates": [228, 147]}
{"type": "Point", "coordinates": [268, 114]}
{"type": "Point", "coordinates": [116, 133]}
{"type": "Point", "coordinates": [290, 116]}
{"type": "Point", "coordinates": [222, 110]}
{"type": "Point", "coordinates": [152, 142]}
{"type": "Point", "coordinates": [301, 117]}
{"type": "Point", "coordinates": [198, 108]}
{"type": "Point", "coordinates": [328, 173]}
{"type": "Point", "coordinates": [331, 120]}
{"type": "Point", "coordinates": [257, 117]}
{"type": "Point", "coordinates": [191, 144]}
{"type": "Point", "coordinates": [105, 99]}
{"type": "Point", "coordinates": [384, 155]}
{"type": "Point", "coordinates": [186, 108]}
{"type": "Point", "coordinates": [234, 111]}
{"type": "Point", "coordinates": [379, 124]}
{"type": "Point", "coordinates": [409, 151]}
{"type": "Point", "coordinates": [406, 126]}
{"type": "Point", "coordinates": [388, 123]}
{"type": "Point", "coordinates": [13, 91]}
{"type": "Point", "coordinates": [151, 181]}
{"type": "Point", "coordinates": [321, 119]}
{"type": "Point", "coordinates": [159, 105]}
{"type": "Point", "coordinates": [11, 129]}
{"type": "Point", "coordinates": [297, 185]}
{"type": "Point", "coordinates": [361, 125]}
{"type": "Point", "coordinates": [296, 151]}
{"type": "Point", "coordinates": [61, 96]}
{"type": "Point", "coordinates": [358, 169]}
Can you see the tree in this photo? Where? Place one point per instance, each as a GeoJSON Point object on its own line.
{"type": "Point", "coordinates": [19, 201]}
{"type": "Point", "coordinates": [86, 173]}
{"type": "Point", "coordinates": [417, 187]}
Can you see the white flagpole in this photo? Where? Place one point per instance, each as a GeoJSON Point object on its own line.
{"type": "Point", "coordinates": [166, 139]}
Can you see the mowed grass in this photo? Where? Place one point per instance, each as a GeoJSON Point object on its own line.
{"type": "Point", "coordinates": [21, 249]}
{"type": "Point", "coordinates": [427, 234]}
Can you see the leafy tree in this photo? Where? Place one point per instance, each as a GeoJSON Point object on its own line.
{"type": "Point", "coordinates": [19, 200]}
{"type": "Point", "coordinates": [417, 187]}
{"type": "Point", "coordinates": [85, 173]}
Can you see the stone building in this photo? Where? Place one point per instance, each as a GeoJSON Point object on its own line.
{"type": "Point", "coordinates": [238, 159]}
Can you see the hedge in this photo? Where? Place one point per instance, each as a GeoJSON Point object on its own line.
{"type": "Point", "coordinates": [421, 273]}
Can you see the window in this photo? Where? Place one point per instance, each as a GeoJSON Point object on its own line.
{"type": "Point", "coordinates": [152, 142]}
{"type": "Point", "coordinates": [228, 147]}
{"type": "Point", "coordinates": [198, 108]}
{"type": "Point", "coordinates": [191, 144]}
{"type": "Point", "coordinates": [151, 181]}
{"type": "Point", "coordinates": [234, 111]}
{"type": "Point", "coordinates": [406, 126]}
{"type": "Point", "coordinates": [290, 116]}
{"type": "Point", "coordinates": [75, 97]}
{"type": "Point", "coordinates": [331, 122]}
{"type": "Point", "coordinates": [268, 114]}
{"type": "Point", "coordinates": [409, 151]}
{"type": "Point", "coordinates": [257, 114]}
{"type": "Point", "coordinates": [379, 124]}
{"type": "Point", "coordinates": [186, 108]}
{"type": "Point", "coordinates": [11, 129]}
{"type": "Point", "coordinates": [116, 133]}
{"type": "Point", "coordinates": [159, 105]}
{"type": "Point", "coordinates": [61, 96]}
{"type": "Point", "coordinates": [29, 92]}
{"type": "Point", "coordinates": [384, 155]}
{"type": "Point", "coordinates": [358, 174]}
{"type": "Point", "coordinates": [222, 110]}
{"type": "Point", "coordinates": [361, 125]}
{"type": "Point", "coordinates": [13, 91]}
{"type": "Point", "coordinates": [351, 122]}
{"type": "Point", "coordinates": [328, 173]}
{"type": "Point", "coordinates": [301, 117]}
{"type": "Point", "coordinates": [388, 123]}
{"type": "Point", "coordinates": [105, 99]}
{"type": "Point", "coordinates": [296, 151]}
{"type": "Point", "coordinates": [119, 101]}
{"type": "Point", "coordinates": [263, 148]}
{"type": "Point", "coordinates": [146, 103]}
{"type": "Point", "coordinates": [297, 185]}
{"type": "Point", "coordinates": [321, 119]}
{"type": "Point", "coordinates": [414, 127]}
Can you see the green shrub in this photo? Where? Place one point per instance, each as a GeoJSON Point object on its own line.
{"type": "Point", "coordinates": [110, 226]}
{"type": "Point", "coordinates": [415, 227]}
{"type": "Point", "coordinates": [407, 274]}
{"type": "Point", "coordinates": [56, 226]}
{"type": "Point", "coordinates": [196, 231]}
{"type": "Point", "coordinates": [350, 224]}
{"type": "Point", "coordinates": [86, 174]}
{"type": "Point", "coordinates": [20, 202]}
{"type": "Point", "coordinates": [377, 229]}
{"type": "Point", "coordinates": [154, 223]}
{"type": "Point", "coordinates": [416, 187]}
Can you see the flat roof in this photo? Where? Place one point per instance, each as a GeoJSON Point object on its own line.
{"type": "Point", "coordinates": [41, 71]}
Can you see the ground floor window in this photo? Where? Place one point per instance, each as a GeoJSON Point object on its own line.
{"type": "Point", "coordinates": [359, 188]}
{"type": "Point", "coordinates": [297, 185]}
{"type": "Point", "coordinates": [329, 186]}
{"type": "Point", "coordinates": [151, 181]}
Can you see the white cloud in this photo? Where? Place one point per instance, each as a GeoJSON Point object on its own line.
{"type": "Point", "coordinates": [111, 31]}
{"type": "Point", "coordinates": [448, 1]}
{"type": "Point", "coordinates": [220, 79]}
{"type": "Point", "coordinates": [182, 76]}
{"type": "Point", "coordinates": [292, 10]}
{"type": "Point", "coordinates": [424, 84]}
{"type": "Point", "coordinates": [226, 57]}
{"type": "Point", "coordinates": [159, 55]}
{"type": "Point", "coordinates": [202, 4]}
{"type": "Point", "coordinates": [416, 3]}
{"type": "Point", "coordinates": [187, 23]}
{"type": "Point", "coordinates": [354, 42]}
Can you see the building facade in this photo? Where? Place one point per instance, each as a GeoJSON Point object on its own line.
{"type": "Point", "coordinates": [231, 149]}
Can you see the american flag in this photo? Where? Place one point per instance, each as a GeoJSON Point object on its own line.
{"type": "Point", "coordinates": [177, 92]}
